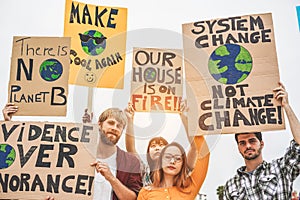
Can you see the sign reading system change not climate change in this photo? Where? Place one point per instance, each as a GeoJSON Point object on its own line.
{"type": "Point", "coordinates": [231, 71]}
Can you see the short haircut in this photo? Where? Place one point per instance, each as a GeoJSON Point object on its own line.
{"type": "Point", "coordinates": [116, 113]}
{"type": "Point", "coordinates": [257, 135]}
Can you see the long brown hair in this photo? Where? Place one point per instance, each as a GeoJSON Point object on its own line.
{"type": "Point", "coordinates": [181, 180]}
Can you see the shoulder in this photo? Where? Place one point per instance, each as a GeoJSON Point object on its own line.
{"type": "Point", "coordinates": [148, 188]}
{"type": "Point", "coordinates": [126, 154]}
{"type": "Point", "coordinates": [232, 185]}
{"type": "Point", "coordinates": [233, 181]}
{"type": "Point", "coordinates": [128, 161]}
{"type": "Point", "coordinates": [145, 190]}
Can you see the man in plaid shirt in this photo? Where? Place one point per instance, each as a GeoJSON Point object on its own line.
{"type": "Point", "coordinates": [259, 180]}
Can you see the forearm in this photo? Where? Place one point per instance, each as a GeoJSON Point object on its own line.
{"type": "Point", "coordinates": [121, 190]}
{"type": "Point", "coordinates": [294, 122]}
{"type": "Point", "coordinates": [192, 156]}
{"type": "Point", "coordinates": [129, 137]}
{"type": "Point", "coordinates": [192, 153]}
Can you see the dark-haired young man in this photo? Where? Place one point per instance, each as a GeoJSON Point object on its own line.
{"type": "Point", "coordinates": [259, 179]}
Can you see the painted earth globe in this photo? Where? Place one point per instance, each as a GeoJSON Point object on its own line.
{"type": "Point", "coordinates": [7, 156]}
{"type": "Point", "coordinates": [230, 64]}
{"type": "Point", "coordinates": [51, 69]}
{"type": "Point", "coordinates": [93, 42]}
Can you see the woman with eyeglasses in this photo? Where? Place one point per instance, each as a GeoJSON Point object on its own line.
{"type": "Point", "coordinates": [171, 179]}
{"type": "Point", "coordinates": [156, 144]}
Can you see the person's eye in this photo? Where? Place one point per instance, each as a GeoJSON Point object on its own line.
{"type": "Point", "coordinates": [178, 158]}
{"type": "Point", "coordinates": [242, 143]}
{"type": "Point", "coordinates": [119, 126]}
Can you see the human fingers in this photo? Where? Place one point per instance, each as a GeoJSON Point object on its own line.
{"type": "Point", "coordinates": [183, 106]}
{"type": "Point", "coordinates": [93, 164]}
{"type": "Point", "coordinates": [49, 198]}
{"type": "Point", "coordinates": [280, 87]}
{"type": "Point", "coordinates": [9, 104]}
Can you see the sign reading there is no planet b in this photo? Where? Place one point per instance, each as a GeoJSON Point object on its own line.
{"type": "Point", "coordinates": [39, 75]}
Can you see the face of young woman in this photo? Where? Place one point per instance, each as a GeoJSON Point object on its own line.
{"type": "Point", "coordinates": [155, 149]}
{"type": "Point", "coordinates": [172, 161]}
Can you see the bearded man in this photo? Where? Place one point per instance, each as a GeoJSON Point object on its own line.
{"type": "Point", "coordinates": [259, 179]}
{"type": "Point", "coordinates": [117, 172]}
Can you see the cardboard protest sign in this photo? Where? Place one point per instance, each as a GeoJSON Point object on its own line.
{"type": "Point", "coordinates": [45, 158]}
{"type": "Point", "coordinates": [156, 80]}
{"type": "Point", "coordinates": [98, 44]}
{"type": "Point", "coordinates": [39, 75]}
{"type": "Point", "coordinates": [231, 69]}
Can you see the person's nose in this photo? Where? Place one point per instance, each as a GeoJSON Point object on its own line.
{"type": "Point", "coordinates": [248, 145]}
{"type": "Point", "coordinates": [172, 161]}
{"type": "Point", "coordinates": [114, 127]}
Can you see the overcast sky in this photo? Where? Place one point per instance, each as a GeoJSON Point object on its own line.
{"type": "Point", "coordinates": [158, 23]}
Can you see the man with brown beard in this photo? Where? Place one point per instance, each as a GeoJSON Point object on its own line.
{"type": "Point", "coordinates": [118, 172]}
{"type": "Point", "coordinates": [259, 179]}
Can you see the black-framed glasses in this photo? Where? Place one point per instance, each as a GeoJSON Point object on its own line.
{"type": "Point", "coordinates": [169, 157]}
{"type": "Point", "coordinates": [85, 38]}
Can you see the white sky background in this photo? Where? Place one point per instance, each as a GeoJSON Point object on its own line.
{"type": "Point", "coordinates": [46, 18]}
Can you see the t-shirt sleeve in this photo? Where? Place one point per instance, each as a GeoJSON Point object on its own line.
{"type": "Point", "coordinates": [135, 179]}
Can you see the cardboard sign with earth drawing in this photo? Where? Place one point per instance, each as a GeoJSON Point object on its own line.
{"type": "Point", "coordinates": [231, 70]}
{"type": "Point", "coordinates": [39, 75]}
{"type": "Point", "coordinates": [98, 44]}
{"type": "Point", "coordinates": [156, 83]}
{"type": "Point", "coordinates": [38, 159]}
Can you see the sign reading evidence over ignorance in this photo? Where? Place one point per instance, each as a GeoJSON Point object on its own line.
{"type": "Point", "coordinates": [231, 70]}
{"type": "Point", "coordinates": [39, 75]}
{"type": "Point", "coordinates": [45, 158]}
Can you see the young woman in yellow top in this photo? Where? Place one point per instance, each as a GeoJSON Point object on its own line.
{"type": "Point", "coordinates": [156, 144]}
{"type": "Point", "coordinates": [171, 179]}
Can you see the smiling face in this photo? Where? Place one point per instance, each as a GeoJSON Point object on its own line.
{"type": "Point", "coordinates": [90, 77]}
{"type": "Point", "coordinates": [172, 161]}
{"type": "Point", "coordinates": [249, 146]}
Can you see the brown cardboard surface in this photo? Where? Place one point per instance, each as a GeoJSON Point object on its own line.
{"type": "Point", "coordinates": [50, 159]}
{"type": "Point", "coordinates": [39, 75]}
{"type": "Point", "coordinates": [156, 83]}
{"type": "Point", "coordinates": [222, 102]}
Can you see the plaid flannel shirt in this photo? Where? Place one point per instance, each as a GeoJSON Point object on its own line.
{"type": "Point", "coordinates": [269, 181]}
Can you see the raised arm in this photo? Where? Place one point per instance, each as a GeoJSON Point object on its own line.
{"type": "Point", "coordinates": [87, 117]}
{"type": "Point", "coordinates": [192, 153]}
{"type": "Point", "coordinates": [9, 110]}
{"type": "Point", "coordinates": [281, 94]}
{"type": "Point", "coordinates": [129, 136]}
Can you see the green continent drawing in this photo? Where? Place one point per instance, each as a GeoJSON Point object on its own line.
{"type": "Point", "coordinates": [230, 64]}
